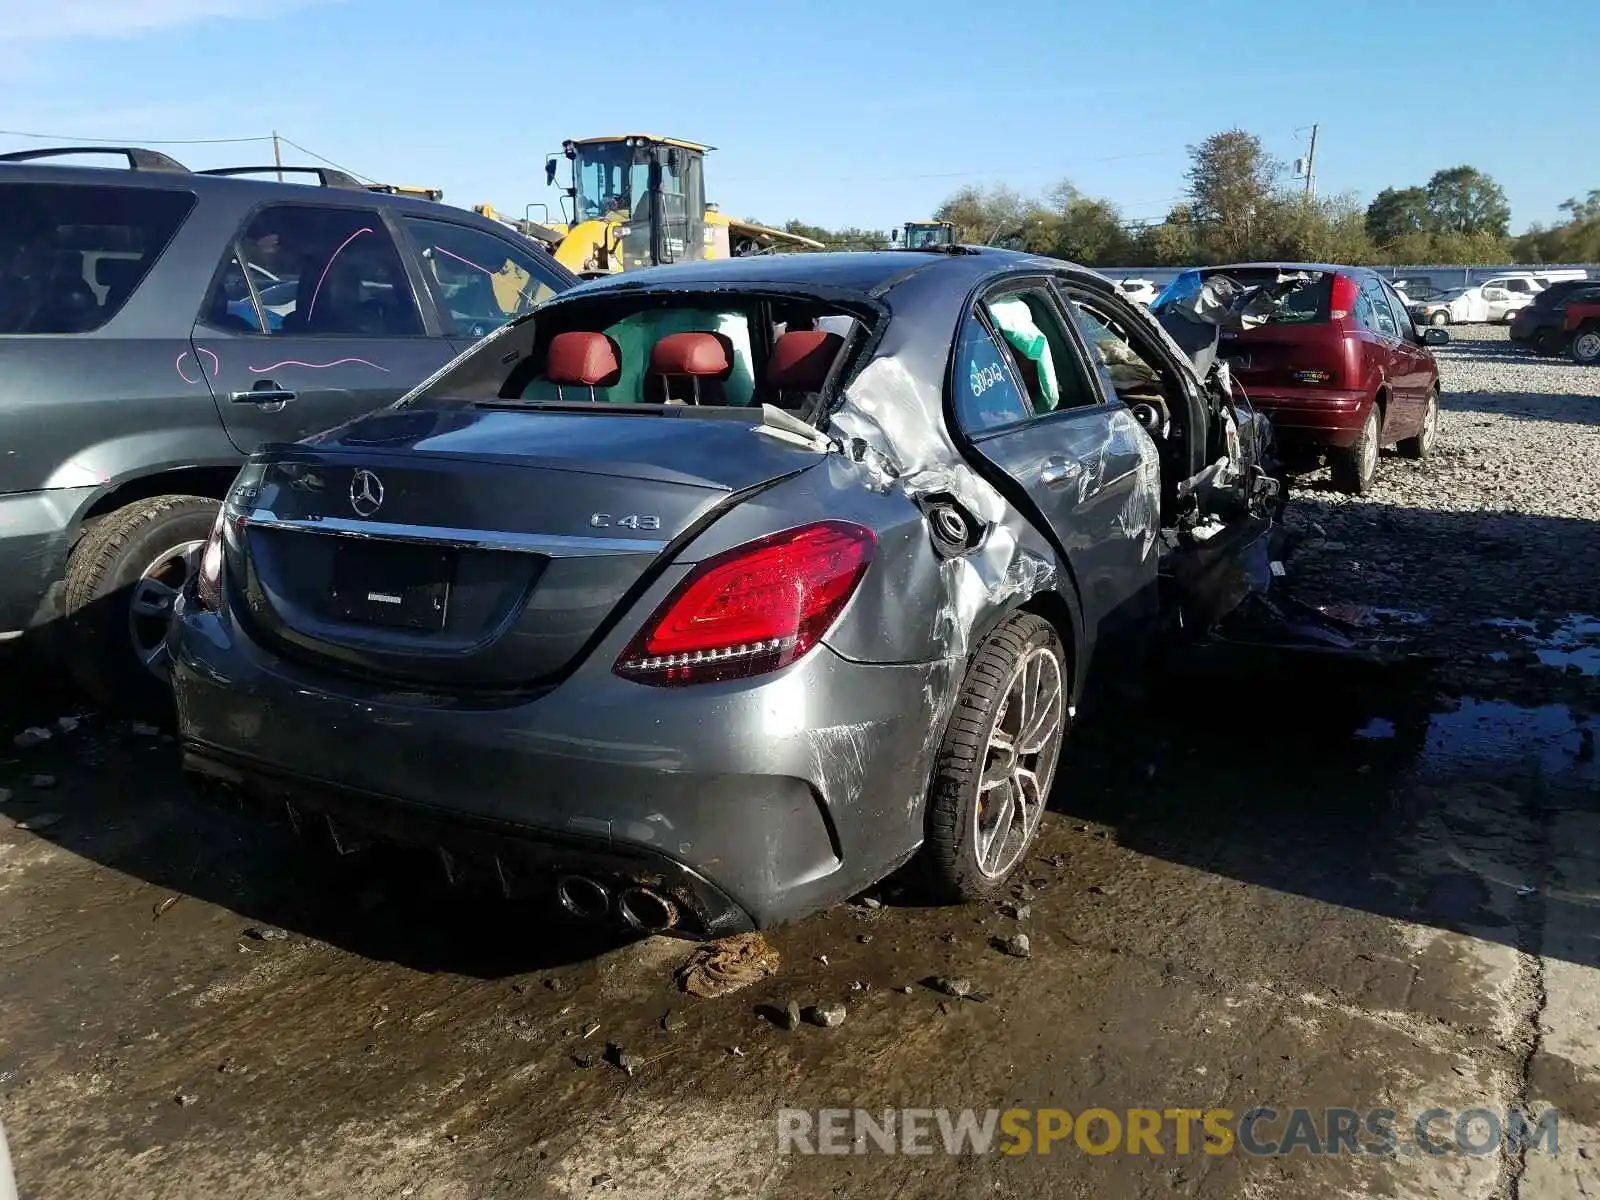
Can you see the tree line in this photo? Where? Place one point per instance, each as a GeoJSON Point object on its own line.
{"type": "Point", "coordinates": [1239, 205]}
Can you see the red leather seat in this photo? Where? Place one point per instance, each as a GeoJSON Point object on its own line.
{"type": "Point", "coordinates": [579, 359]}
{"type": "Point", "coordinates": [801, 360]}
{"type": "Point", "coordinates": [706, 359]}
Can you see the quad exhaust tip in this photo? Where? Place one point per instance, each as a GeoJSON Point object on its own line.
{"type": "Point", "coordinates": [647, 911]}
{"type": "Point", "coordinates": [583, 897]}
{"type": "Point", "coordinates": [641, 909]}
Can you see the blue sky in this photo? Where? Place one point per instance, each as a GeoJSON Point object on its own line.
{"type": "Point", "coordinates": [836, 113]}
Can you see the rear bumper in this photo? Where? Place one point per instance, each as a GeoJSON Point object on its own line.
{"type": "Point", "coordinates": [758, 801]}
{"type": "Point", "coordinates": [1313, 416]}
{"type": "Point", "coordinates": [1529, 333]}
{"type": "Point", "coordinates": [496, 854]}
{"type": "Point", "coordinates": [36, 532]}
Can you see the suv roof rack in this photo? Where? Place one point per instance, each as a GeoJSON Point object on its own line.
{"type": "Point", "coordinates": [401, 189]}
{"type": "Point", "coordinates": [138, 159]}
{"type": "Point", "coordinates": [328, 176]}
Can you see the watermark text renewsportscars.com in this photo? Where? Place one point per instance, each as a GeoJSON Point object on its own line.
{"type": "Point", "coordinates": [1261, 1130]}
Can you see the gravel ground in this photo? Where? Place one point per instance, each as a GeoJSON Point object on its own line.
{"type": "Point", "coordinates": [1253, 895]}
{"type": "Point", "coordinates": [1503, 523]}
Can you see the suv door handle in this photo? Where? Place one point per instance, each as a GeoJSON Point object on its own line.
{"type": "Point", "coordinates": [1058, 470]}
{"type": "Point", "coordinates": [263, 393]}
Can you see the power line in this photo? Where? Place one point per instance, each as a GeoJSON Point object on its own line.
{"type": "Point", "coordinates": [1005, 171]}
{"type": "Point", "coordinates": [327, 161]}
{"type": "Point", "coordinates": [68, 138]}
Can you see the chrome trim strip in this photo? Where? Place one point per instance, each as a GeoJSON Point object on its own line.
{"type": "Point", "coordinates": [470, 539]}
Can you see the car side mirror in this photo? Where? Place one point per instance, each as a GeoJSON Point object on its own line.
{"type": "Point", "coordinates": [549, 172]}
{"type": "Point", "coordinates": [1434, 336]}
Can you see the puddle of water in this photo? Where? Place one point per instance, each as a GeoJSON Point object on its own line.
{"type": "Point", "coordinates": [1517, 623]}
{"type": "Point", "coordinates": [1575, 643]}
{"type": "Point", "coordinates": [1485, 733]}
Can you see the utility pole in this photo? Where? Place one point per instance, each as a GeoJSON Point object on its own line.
{"type": "Point", "coordinates": [277, 154]}
{"type": "Point", "coordinates": [1311, 166]}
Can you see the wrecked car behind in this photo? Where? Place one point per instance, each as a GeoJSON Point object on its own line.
{"type": "Point", "coordinates": [715, 594]}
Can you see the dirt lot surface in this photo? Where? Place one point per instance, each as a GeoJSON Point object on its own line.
{"type": "Point", "coordinates": [1287, 892]}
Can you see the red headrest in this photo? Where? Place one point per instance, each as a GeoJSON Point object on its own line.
{"type": "Point", "coordinates": [690, 354]}
{"type": "Point", "coordinates": [801, 360]}
{"type": "Point", "coordinates": [583, 360]}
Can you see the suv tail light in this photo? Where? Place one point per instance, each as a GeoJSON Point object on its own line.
{"type": "Point", "coordinates": [1344, 297]}
{"type": "Point", "coordinates": [753, 609]}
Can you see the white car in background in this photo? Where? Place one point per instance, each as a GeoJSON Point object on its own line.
{"type": "Point", "coordinates": [1140, 291]}
{"type": "Point", "coordinates": [1497, 299]}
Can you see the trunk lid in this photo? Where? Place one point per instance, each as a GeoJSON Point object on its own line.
{"type": "Point", "coordinates": [477, 547]}
{"type": "Point", "coordinates": [1286, 356]}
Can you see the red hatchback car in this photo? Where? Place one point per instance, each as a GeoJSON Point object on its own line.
{"type": "Point", "coordinates": [1338, 365]}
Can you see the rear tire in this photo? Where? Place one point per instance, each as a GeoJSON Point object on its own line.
{"type": "Point", "coordinates": [1585, 346]}
{"type": "Point", "coordinates": [1421, 446]}
{"type": "Point", "coordinates": [998, 760]}
{"type": "Point", "coordinates": [121, 580]}
{"type": "Point", "coordinates": [1355, 468]}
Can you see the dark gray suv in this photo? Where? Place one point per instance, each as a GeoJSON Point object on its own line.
{"type": "Point", "coordinates": [158, 324]}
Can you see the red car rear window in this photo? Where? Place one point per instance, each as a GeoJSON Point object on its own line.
{"type": "Point", "coordinates": [1306, 305]}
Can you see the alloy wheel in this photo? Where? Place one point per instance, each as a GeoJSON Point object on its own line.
{"type": "Point", "coordinates": [1586, 346]}
{"type": "Point", "coordinates": [1430, 423]}
{"type": "Point", "coordinates": [150, 606]}
{"type": "Point", "coordinates": [1019, 762]}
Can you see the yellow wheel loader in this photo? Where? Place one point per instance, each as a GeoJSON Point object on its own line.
{"type": "Point", "coordinates": [638, 200]}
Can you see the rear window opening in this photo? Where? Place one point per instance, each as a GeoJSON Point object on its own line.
{"type": "Point", "coordinates": [71, 255]}
{"type": "Point", "coordinates": [716, 350]}
{"type": "Point", "coordinates": [1292, 298]}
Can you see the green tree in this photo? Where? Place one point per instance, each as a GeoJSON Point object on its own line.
{"type": "Point", "coordinates": [1231, 181]}
{"type": "Point", "coordinates": [1298, 228]}
{"type": "Point", "coordinates": [986, 216]}
{"type": "Point", "coordinates": [849, 238]}
{"type": "Point", "coordinates": [1172, 243]}
{"type": "Point", "coordinates": [1396, 212]}
{"type": "Point", "coordinates": [1575, 240]}
{"type": "Point", "coordinates": [1463, 200]}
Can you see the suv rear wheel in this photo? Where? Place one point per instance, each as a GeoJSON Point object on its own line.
{"type": "Point", "coordinates": [1355, 468]}
{"type": "Point", "coordinates": [122, 579]}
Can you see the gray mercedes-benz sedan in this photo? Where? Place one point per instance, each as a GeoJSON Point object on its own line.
{"type": "Point", "coordinates": [709, 595]}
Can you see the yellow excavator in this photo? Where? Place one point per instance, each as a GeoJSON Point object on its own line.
{"type": "Point", "coordinates": [638, 200]}
{"type": "Point", "coordinates": [918, 234]}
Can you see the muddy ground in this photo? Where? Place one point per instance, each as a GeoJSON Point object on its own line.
{"type": "Point", "coordinates": [1254, 890]}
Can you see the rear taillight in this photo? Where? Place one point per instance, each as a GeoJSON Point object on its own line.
{"type": "Point", "coordinates": [1344, 297]}
{"type": "Point", "coordinates": [208, 580]}
{"type": "Point", "coordinates": [753, 609]}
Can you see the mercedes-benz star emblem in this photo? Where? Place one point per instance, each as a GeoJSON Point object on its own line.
{"type": "Point", "coordinates": [366, 493]}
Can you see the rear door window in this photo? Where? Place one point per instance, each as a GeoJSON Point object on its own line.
{"type": "Point", "coordinates": [307, 271]}
{"type": "Point", "coordinates": [1402, 315]}
{"type": "Point", "coordinates": [987, 394]}
{"type": "Point", "coordinates": [1373, 305]}
{"type": "Point", "coordinates": [480, 281]}
{"type": "Point", "coordinates": [72, 254]}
